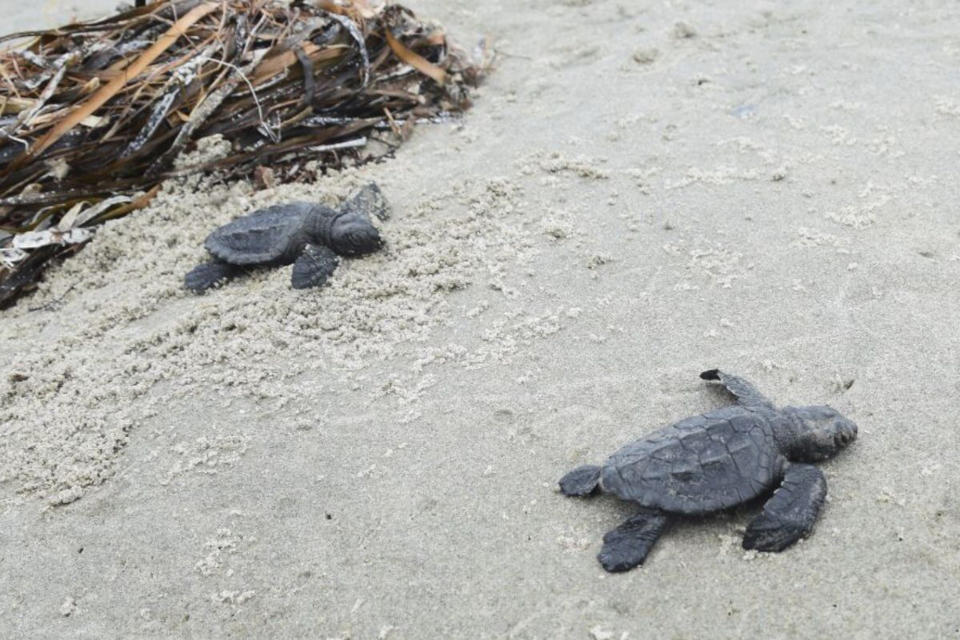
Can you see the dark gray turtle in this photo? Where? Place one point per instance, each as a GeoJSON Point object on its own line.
{"type": "Point", "coordinates": [312, 236]}
{"type": "Point", "coordinates": [715, 461]}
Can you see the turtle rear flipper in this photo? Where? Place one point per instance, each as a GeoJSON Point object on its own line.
{"type": "Point", "coordinates": [209, 274]}
{"type": "Point", "coordinates": [789, 515]}
{"type": "Point", "coordinates": [628, 545]}
{"type": "Point", "coordinates": [314, 266]}
{"type": "Point", "coordinates": [582, 481]}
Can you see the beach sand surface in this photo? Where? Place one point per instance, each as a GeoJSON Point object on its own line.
{"type": "Point", "coordinates": [642, 191]}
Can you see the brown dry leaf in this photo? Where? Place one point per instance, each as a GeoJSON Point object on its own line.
{"type": "Point", "coordinates": [415, 60]}
{"type": "Point", "coordinates": [108, 91]}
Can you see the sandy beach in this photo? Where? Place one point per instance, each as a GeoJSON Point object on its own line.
{"type": "Point", "coordinates": [641, 191]}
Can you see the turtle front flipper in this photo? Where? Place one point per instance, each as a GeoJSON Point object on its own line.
{"type": "Point", "coordinates": [582, 481]}
{"type": "Point", "coordinates": [789, 515]}
{"type": "Point", "coordinates": [314, 266]}
{"type": "Point", "coordinates": [745, 392]}
{"type": "Point", "coordinates": [209, 274]}
{"type": "Point", "coordinates": [368, 201]}
{"type": "Point", "coordinates": [628, 545]}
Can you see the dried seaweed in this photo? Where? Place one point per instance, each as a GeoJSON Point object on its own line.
{"type": "Point", "coordinates": [93, 115]}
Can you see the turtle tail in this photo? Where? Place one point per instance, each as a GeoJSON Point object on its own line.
{"type": "Point", "coordinates": [582, 481]}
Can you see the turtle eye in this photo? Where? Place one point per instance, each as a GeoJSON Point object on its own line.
{"type": "Point", "coordinates": [364, 239]}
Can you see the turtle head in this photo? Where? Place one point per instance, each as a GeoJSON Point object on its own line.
{"type": "Point", "coordinates": [821, 432]}
{"type": "Point", "coordinates": [352, 234]}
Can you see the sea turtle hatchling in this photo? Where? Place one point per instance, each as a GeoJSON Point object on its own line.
{"type": "Point", "coordinates": [311, 236]}
{"type": "Point", "coordinates": [717, 460]}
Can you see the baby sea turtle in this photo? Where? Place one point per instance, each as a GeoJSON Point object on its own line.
{"type": "Point", "coordinates": [717, 460]}
{"type": "Point", "coordinates": [311, 236]}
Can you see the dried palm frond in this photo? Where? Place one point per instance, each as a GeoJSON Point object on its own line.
{"type": "Point", "coordinates": [92, 115]}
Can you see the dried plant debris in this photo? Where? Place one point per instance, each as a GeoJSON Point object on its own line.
{"type": "Point", "coordinates": [93, 115]}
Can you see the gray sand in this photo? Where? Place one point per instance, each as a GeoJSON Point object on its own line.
{"type": "Point", "coordinates": [638, 195]}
